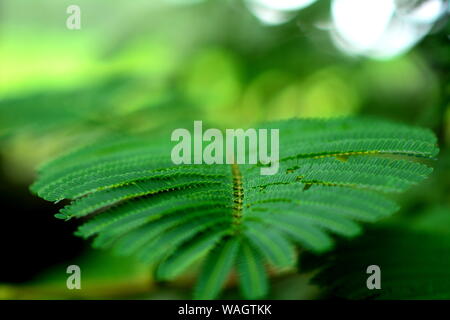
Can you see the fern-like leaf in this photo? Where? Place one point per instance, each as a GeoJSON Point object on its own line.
{"type": "Point", "coordinates": [332, 175]}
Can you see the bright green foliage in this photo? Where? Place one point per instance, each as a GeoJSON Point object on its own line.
{"type": "Point", "coordinates": [414, 265]}
{"type": "Point", "coordinates": [333, 174]}
{"type": "Point", "coordinates": [95, 110]}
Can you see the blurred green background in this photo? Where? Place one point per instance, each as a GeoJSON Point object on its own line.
{"type": "Point", "coordinates": [145, 66]}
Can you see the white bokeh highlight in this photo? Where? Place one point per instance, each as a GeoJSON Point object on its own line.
{"type": "Point", "coordinates": [275, 12]}
{"type": "Point", "coordinates": [379, 28]}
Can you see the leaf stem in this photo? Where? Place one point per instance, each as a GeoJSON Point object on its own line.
{"type": "Point", "coordinates": [238, 197]}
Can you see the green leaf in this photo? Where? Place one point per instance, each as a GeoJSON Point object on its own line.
{"type": "Point", "coordinates": [187, 254]}
{"type": "Point", "coordinates": [252, 273]}
{"type": "Point", "coordinates": [414, 265]}
{"type": "Point", "coordinates": [216, 269]}
{"type": "Point", "coordinates": [333, 174]}
{"type": "Point", "coordinates": [276, 248]}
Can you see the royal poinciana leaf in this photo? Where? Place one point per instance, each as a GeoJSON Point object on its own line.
{"type": "Point", "coordinates": [413, 265]}
{"type": "Point", "coordinates": [332, 175]}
